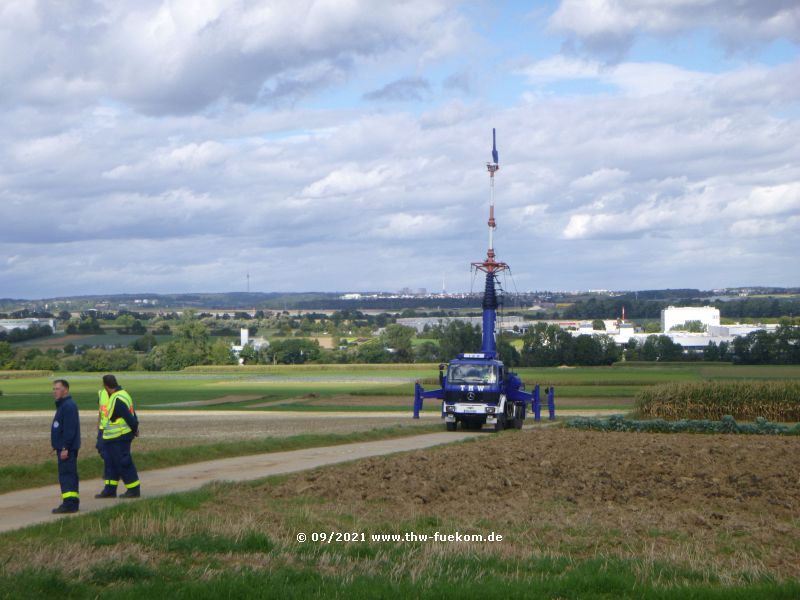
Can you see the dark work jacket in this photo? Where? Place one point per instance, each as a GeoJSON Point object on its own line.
{"type": "Point", "coordinates": [66, 429]}
{"type": "Point", "coordinates": [121, 412]}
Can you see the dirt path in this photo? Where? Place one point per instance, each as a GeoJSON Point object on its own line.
{"type": "Point", "coordinates": [29, 507]}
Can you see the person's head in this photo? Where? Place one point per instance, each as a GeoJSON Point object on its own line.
{"type": "Point", "coordinates": [110, 382]}
{"type": "Point", "coordinates": [60, 389]}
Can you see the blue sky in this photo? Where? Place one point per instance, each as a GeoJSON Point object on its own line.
{"type": "Point", "coordinates": [170, 146]}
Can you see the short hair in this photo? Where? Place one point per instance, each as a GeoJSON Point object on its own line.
{"type": "Point", "coordinates": [110, 381]}
{"type": "Point", "coordinates": [63, 382]}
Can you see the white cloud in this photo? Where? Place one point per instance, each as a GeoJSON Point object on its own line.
{"type": "Point", "coordinates": [609, 27]}
{"type": "Point", "coordinates": [166, 174]}
{"type": "Point", "coordinates": [177, 57]}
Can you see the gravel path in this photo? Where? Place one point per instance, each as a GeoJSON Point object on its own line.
{"type": "Point", "coordinates": [28, 507]}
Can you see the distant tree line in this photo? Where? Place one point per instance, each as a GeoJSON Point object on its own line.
{"type": "Point", "coordinates": [21, 334]}
{"type": "Point", "coordinates": [355, 341]}
{"type": "Point", "coordinates": [599, 308]}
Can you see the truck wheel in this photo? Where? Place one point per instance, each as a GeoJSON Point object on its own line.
{"type": "Point", "coordinates": [517, 423]}
{"type": "Point", "coordinates": [451, 426]}
{"type": "Point", "coordinates": [501, 423]}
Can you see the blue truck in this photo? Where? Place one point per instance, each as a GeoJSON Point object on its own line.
{"type": "Point", "coordinates": [476, 388]}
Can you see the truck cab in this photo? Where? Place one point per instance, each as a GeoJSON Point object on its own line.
{"type": "Point", "coordinates": [476, 390]}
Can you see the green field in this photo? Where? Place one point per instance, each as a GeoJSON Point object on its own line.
{"type": "Point", "coordinates": [112, 338]}
{"type": "Point", "coordinates": [319, 387]}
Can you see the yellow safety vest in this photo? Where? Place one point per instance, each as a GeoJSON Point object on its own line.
{"type": "Point", "coordinates": [114, 429]}
{"type": "Point", "coordinates": [102, 405]}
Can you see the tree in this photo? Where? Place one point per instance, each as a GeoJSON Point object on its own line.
{"type": "Point", "coordinates": [508, 353]}
{"type": "Point", "coordinates": [42, 363]}
{"type": "Point", "coordinates": [711, 352]}
{"type": "Point", "coordinates": [397, 340]}
{"type": "Point", "coordinates": [546, 345]}
{"type": "Point", "coordinates": [599, 325]}
{"type": "Point", "coordinates": [124, 322]}
{"type": "Point", "coordinates": [458, 337]}
{"type": "Point", "coordinates": [6, 355]}
{"type": "Point", "coordinates": [372, 351]}
{"type": "Point", "coordinates": [427, 352]}
{"type": "Point", "coordinates": [221, 354]}
{"type": "Point", "coordinates": [690, 326]}
{"type": "Point", "coordinates": [652, 327]}
{"type": "Point", "coordinates": [145, 343]}
{"type": "Point", "coordinates": [293, 351]}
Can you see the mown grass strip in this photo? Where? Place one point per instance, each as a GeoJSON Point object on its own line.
{"type": "Point", "coordinates": [17, 477]}
{"type": "Point", "coordinates": [22, 374]}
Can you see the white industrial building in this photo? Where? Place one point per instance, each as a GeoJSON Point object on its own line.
{"type": "Point", "coordinates": [256, 343]}
{"type": "Point", "coordinates": [11, 324]}
{"type": "Point", "coordinates": [678, 315]}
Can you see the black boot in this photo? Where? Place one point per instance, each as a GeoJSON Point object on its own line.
{"type": "Point", "coordinates": [107, 493]}
{"type": "Point", "coordinates": [132, 493]}
{"type": "Point", "coordinates": [65, 509]}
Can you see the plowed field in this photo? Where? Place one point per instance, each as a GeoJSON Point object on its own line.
{"type": "Point", "coordinates": [684, 497]}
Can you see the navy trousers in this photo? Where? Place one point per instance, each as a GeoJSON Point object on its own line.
{"type": "Point", "coordinates": [121, 463]}
{"type": "Point", "coordinates": [68, 478]}
{"type": "Point", "coordinates": [109, 479]}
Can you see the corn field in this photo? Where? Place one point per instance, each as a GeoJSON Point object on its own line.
{"type": "Point", "coordinates": [745, 400]}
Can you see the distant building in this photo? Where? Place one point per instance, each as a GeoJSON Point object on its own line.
{"type": "Point", "coordinates": [12, 324]}
{"type": "Point", "coordinates": [673, 315]}
{"type": "Point", "coordinates": [350, 297]}
{"type": "Point", "coordinates": [244, 340]}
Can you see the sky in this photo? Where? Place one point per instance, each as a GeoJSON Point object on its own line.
{"type": "Point", "coordinates": [341, 145]}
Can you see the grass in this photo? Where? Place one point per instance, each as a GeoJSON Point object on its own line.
{"type": "Point", "coordinates": [16, 477]}
{"type": "Point", "coordinates": [201, 545]}
{"type": "Point", "coordinates": [290, 382]}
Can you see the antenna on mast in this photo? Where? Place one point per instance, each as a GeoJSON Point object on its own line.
{"type": "Point", "coordinates": [490, 265]}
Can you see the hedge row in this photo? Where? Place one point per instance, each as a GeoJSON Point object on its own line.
{"type": "Point", "coordinates": [726, 425]}
{"type": "Point", "coordinates": [746, 400]}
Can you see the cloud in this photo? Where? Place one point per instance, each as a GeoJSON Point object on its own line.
{"type": "Point", "coordinates": [172, 147]}
{"type": "Point", "coordinates": [406, 89]}
{"type": "Point", "coordinates": [163, 57]}
{"type": "Point", "coordinates": [460, 82]}
{"type": "Point", "coordinates": [609, 27]}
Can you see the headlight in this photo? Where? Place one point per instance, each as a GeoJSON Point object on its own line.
{"type": "Point", "coordinates": [450, 408]}
{"type": "Point", "coordinates": [490, 410]}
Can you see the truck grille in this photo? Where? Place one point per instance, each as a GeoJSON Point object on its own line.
{"type": "Point", "coordinates": [481, 397]}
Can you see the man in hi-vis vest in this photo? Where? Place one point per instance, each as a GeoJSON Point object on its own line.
{"type": "Point", "coordinates": [110, 489]}
{"type": "Point", "coordinates": [119, 425]}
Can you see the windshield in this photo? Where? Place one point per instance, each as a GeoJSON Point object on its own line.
{"type": "Point", "coordinates": [472, 374]}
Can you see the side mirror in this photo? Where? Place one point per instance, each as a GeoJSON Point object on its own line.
{"type": "Point", "coordinates": [441, 374]}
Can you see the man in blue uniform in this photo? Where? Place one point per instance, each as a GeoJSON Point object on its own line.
{"type": "Point", "coordinates": [65, 437]}
{"type": "Point", "coordinates": [120, 425]}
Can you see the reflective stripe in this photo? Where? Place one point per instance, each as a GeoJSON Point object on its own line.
{"type": "Point", "coordinates": [111, 482]}
{"type": "Point", "coordinates": [102, 406]}
{"type": "Point", "coordinates": [118, 427]}
{"type": "Point", "coordinates": [66, 495]}
{"type": "Point", "coordinates": [130, 486]}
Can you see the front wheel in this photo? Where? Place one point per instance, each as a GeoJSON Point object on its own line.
{"type": "Point", "coordinates": [500, 424]}
{"type": "Point", "coordinates": [451, 426]}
